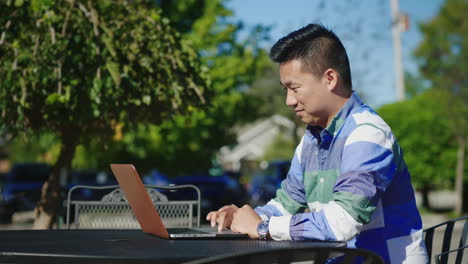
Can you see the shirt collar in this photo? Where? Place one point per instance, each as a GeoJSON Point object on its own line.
{"type": "Point", "coordinates": [337, 121]}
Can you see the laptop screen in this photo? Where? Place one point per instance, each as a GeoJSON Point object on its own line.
{"type": "Point", "coordinates": [139, 200]}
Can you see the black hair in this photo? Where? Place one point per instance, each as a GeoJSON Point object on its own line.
{"type": "Point", "coordinates": [318, 49]}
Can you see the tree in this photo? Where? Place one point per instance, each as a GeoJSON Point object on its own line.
{"type": "Point", "coordinates": [80, 68]}
{"type": "Point", "coordinates": [186, 144]}
{"type": "Point", "coordinates": [443, 58]}
{"type": "Point", "coordinates": [425, 138]}
{"type": "Point", "coordinates": [414, 85]}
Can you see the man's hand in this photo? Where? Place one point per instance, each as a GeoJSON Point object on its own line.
{"type": "Point", "coordinates": [245, 221]}
{"type": "Point", "coordinates": [223, 216]}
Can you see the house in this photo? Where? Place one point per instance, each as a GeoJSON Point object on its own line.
{"type": "Point", "coordinates": [253, 140]}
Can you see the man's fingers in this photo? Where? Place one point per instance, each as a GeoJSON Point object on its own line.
{"type": "Point", "coordinates": [208, 216]}
{"type": "Point", "coordinates": [221, 221]}
{"type": "Point", "coordinates": [234, 225]}
{"type": "Point", "coordinates": [222, 217]}
{"type": "Point", "coordinates": [213, 219]}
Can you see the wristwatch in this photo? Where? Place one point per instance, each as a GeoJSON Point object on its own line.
{"type": "Point", "coordinates": [263, 230]}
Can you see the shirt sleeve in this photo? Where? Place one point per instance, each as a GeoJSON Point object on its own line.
{"type": "Point", "coordinates": [370, 160]}
{"type": "Point", "coordinates": [367, 168]}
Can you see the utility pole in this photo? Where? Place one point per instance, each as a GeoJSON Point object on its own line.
{"type": "Point", "coordinates": [399, 24]}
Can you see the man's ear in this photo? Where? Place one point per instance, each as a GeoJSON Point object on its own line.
{"type": "Point", "coordinates": [330, 77]}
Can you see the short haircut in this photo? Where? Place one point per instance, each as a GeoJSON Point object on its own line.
{"type": "Point", "coordinates": [318, 49]}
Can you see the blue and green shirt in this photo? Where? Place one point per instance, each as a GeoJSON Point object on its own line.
{"type": "Point", "coordinates": [349, 182]}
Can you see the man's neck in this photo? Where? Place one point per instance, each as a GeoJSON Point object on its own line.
{"type": "Point", "coordinates": [340, 101]}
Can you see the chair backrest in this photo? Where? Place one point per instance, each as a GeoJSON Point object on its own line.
{"type": "Point", "coordinates": [300, 254]}
{"type": "Point", "coordinates": [438, 258]}
{"type": "Point", "coordinates": [105, 207]}
{"type": "Point", "coordinates": [449, 245]}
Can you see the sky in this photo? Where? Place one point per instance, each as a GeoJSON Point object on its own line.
{"type": "Point", "coordinates": [363, 26]}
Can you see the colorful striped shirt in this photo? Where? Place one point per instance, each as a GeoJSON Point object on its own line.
{"type": "Point", "coordinates": [349, 182]}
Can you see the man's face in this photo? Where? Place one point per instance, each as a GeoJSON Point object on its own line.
{"type": "Point", "coordinates": [306, 93]}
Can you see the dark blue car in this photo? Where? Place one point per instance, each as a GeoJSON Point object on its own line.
{"type": "Point", "coordinates": [216, 191]}
{"type": "Point", "coordinates": [88, 177]}
{"type": "Point", "coordinates": [20, 188]}
{"type": "Point", "coordinates": [264, 183]}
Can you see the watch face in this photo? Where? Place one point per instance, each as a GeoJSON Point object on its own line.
{"type": "Point", "coordinates": [262, 229]}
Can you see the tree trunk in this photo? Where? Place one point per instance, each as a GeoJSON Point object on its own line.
{"type": "Point", "coordinates": [459, 175]}
{"type": "Point", "coordinates": [425, 197]}
{"type": "Point", "coordinates": [49, 204]}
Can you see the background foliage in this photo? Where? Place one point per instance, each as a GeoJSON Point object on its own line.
{"type": "Point", "coordinates": [427, 143]}
{"type": "Point", "coordinates": [443, 58]}
{"type": "Point", "coordinates": [48, 48]}
{"type": "Point", "coordinates": [232, 63]}
{"type": "Point", "coordinates": [83, 70]}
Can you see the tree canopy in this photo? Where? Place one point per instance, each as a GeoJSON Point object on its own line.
{"type": "Point", "coordinates": [72, 64]}
{"type": "Point", "coordinates": [232, 64]}
{"type": "Point", "coordinates": [80, 68]}
{"type": "Point", "coordinates": [187, 143]}
{"type": "Point", "coordinates": [443, 58]}
{"type": "Point", "coordinates": [423, 134]}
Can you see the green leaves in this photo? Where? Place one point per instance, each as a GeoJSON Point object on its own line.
{"type": "Point", "coordinates": [91, 61]}
{"type": "Point", "coordinates": [146, 99]}
{"type": "Point", "coordinates": [443, 56]}
{"type": "Point", "coordinates": [113, 69]}
{"type": "Point", "coordinates": [108, 42]}
{"type": "Point", "coordinates": [424, 135]}
{"type": "Point", "coordinates": [443, 52]}
{"type": "Point", "coordinates": [178, 66]}
{"type": "Point", "coordinates": [55, 98]}
{"type": "Point", "coordinates": [19, 3]}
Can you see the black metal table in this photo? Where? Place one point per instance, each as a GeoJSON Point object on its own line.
{"type": "Point", "coordinates": [122, 246]}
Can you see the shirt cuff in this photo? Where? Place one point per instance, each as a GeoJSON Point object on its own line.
{"type": "Point", "coordinates": [279, 227]}
{"type": "Point", "coordinates": [264, 217]}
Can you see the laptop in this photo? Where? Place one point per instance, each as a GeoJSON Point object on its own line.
{"type": "Point", "coordinates": [147, 215]}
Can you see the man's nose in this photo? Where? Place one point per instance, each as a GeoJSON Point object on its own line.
{"type": "Point", "coordinates": [290, 98]}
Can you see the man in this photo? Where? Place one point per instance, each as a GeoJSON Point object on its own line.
{"type": "Point", "coordinates": [348, 169]}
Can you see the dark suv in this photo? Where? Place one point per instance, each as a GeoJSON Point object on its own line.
{"type": "Point", "coordinates": [20, 188]}
{"type": "Point", "coordinates": [216, 191]}
{"type": "Point", "coordinates": [264, 183]}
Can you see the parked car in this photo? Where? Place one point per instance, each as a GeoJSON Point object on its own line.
{"type": "Point", "coordinates": [216, 191]}
{"type": "Point", "coordinates": [264, 183]}
{"type": "Point", "coordinates": [88, 177]}
{"type": "Point", "coordinates": [155, 177]}
{"type": "Point", "coordinates": [20, 188]}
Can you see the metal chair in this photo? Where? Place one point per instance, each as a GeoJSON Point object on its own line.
{"type": "Point", "coordinates": [178, 206]}
{"type": "Point", "coordinates": [442, 256]}
{"type": "Point", "coordinates": [438, 257]}
{"type": "Point", "coordinates": [316, 255]}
